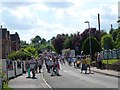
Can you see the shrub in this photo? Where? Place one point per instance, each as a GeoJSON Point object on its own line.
{"type": "Point", "coordinates": [95, 46]}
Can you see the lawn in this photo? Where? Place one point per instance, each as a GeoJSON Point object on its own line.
{"type": "Point", "coordinates": [110, 61]}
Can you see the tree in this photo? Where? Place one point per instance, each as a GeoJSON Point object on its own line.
{"type": "Point", "coordinates": [103, 33]}
{"type": "Point", "coordinates": [107, 42]}
{"type": "Point", "coordinates": [23, 44]}
{"type": "Point", "coordinates": [114, 35]}
{"type": "Point", "coordinates": [68, 43]}
{"type": "Point", "coordinates": [58, 42]}
{"type": "Point", "coordinates": [36, 40]}
{"type": "Point", "coordinates": [32, 50]}
{"type": "Point", "coordinates": [117, 43]}
{"type": "Point", "coordinates": [43, 41]}
{"type": "Point", "coordinates": [95, 46]}
{"type": "Point", "coordinates": [21, 54]}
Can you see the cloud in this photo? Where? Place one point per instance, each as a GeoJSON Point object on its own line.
{"type": "Point", "coordinates": [59, 4]}
{"type": "Point", "coordinates": [39, 7]}
{"type": "Point", "coordinates": [22, 12]}
{"type": "Point", "coordinates": [13, 5]}
{"type": "Point", "coordinates": [45, 30]}
{"type": "Point", "coordinates": [48, 18]}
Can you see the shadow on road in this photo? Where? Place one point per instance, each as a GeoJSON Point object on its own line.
{"type": "Point", "coordinates": [31, 77]}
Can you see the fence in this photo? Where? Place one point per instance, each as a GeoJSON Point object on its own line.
{"type": "Point", "coordinates": [111, 54]}
{"type": "Point", "coordinates": [10, 69]}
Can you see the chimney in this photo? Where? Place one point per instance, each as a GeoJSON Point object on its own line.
{"type": "Point", "coordinates": [1, 26]}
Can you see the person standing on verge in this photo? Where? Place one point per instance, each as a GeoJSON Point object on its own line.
{"type": "Point", "coordinates": [99, 60]}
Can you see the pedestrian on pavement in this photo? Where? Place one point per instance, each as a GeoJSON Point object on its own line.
{"type": "Point", "coordinates": [52, 66]}
{"type": "Point", "coordinates": [78, 62]}
{"type": "Point", "coordinates": [53, 70]}
{"type": "Point", "coordinates": [99, 60]}
{"type": "Point", "coordinates": [69, 60]}
{"type": "Point", "coordinates": [63, 59]}
{"type": "Point", "coordinates": [36, 66]}
{"type": "Point", "coordinates": [27, 64]}
{"type": "Point", "coordinates": [84, 65]}
{"type": "Point", "coordinates": [74, 61]}
{"type": "Point", "coordinates": [88, 60]}
{"type": "Point", "coordinates": [39, 64]}
{"type": "Point", "coordinates": [58, 67]}
{"type": "Point", "coordinates": [48, 64]}
{"type": "Point", "coordinates": [32, 66]}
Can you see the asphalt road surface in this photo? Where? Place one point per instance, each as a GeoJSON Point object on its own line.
{"type": "Point", "coordinates": [72, 78]}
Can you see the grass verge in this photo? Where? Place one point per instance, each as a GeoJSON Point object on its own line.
{"type": "Point", "coordinates": [5, 87]}
{"type": "Point", "coordinates": [110, 61]}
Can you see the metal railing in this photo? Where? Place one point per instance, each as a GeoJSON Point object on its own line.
{"type": "Point", "coordinates": [110, 54]}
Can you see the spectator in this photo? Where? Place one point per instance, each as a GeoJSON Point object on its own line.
{"type": "Point", "coordinates": [88, 60]}
{"type": "Point", "coordinates": [32, 66]}
{"type": "Point", "coordinates": [27, 64]}
{"type": "Point", "coordinates": [99, 60]}
{"type": "Point", "coordinates": [84, 65]}
{"type": "Point", "coordinates": [40, 64]}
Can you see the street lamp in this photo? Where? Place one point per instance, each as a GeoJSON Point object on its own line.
{"type": "Point", "coordinates": [89, 39]}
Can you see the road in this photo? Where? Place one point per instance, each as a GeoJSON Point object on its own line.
{"type": "Point", "coordinates": [72, 78]}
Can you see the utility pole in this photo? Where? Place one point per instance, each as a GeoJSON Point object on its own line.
{"type": "Point", "coordinates": [89, 39]}
{"type": "Point", "coordinates": [99, 22]}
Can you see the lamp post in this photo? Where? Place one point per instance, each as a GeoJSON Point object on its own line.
{"type": "Point", "coordinates": [89, 39]}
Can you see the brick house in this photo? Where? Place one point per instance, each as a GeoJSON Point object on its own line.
{"type": "Point", "coordinates": [15, 42]}
{"type": "Point", "coordinates": [8, 42]}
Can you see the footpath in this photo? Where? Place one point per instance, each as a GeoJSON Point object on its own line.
{"type": "Point", "coordinates": [22, 82]}
{"type": "Point", "coordinates": [106, 72]}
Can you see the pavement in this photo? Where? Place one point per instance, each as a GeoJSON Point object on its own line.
{"type": "Point", "coordinates": [106, 72]}
{"type": "Point", "coordinates": [24, 82]}
{"type": "Point", "coordinates": [40, 82]}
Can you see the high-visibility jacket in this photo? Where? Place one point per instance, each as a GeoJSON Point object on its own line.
{"type": "Point", "coordinates": [88, 61]}
{"type": "Point", "coordinates": [83, 61]}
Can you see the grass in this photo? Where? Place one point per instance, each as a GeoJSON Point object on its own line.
{"type": "Point", "coordinates": [5, 87]}
{"type": "Point", "coordinates": [110, 61]}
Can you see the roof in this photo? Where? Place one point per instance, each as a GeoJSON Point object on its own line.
{"type": "Point", "coordinates": [14, 37]}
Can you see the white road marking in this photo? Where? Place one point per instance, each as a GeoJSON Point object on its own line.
{"type": "Point", "coordinates": [65, 71]}
{"type": "Point", "coordinates": [45, 80]}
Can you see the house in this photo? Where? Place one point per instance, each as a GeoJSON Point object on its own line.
{"type": "Point", "coordinates": [8, 42]}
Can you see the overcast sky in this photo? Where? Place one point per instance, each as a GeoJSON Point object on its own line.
{"type": "Point", "coordinates": [47, 18]}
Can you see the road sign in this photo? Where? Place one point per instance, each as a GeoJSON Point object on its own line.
{"type": "Point", "coordinates": [72, 53]}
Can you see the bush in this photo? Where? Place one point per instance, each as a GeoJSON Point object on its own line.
{"type": "Point", "coordinates": [21, 54]}
{"type": "Point", "coordinates": [95, 46]}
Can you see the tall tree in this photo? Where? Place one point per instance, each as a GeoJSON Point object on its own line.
{"type": "Point", "coordinates": [107, 42]}
{"type": "Point", "coordinates": [36, 40]}
{"type": "Point", "coordinates": [58, 43]}
{"type": "Point", "coordinates": [23, 44]}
